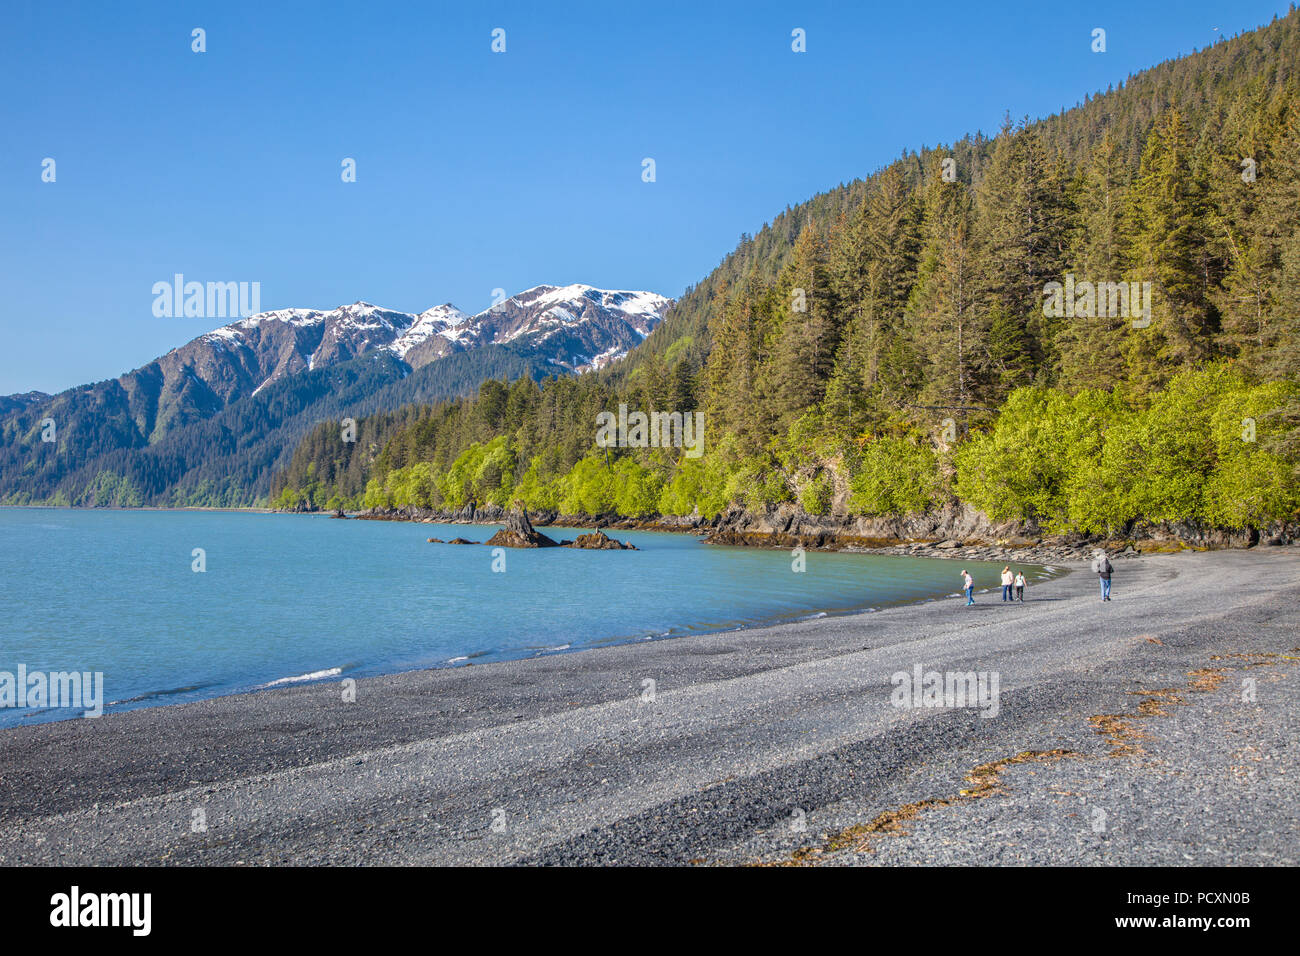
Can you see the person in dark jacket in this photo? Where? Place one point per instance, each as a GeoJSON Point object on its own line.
{"type": "Point", "coordinates": [1102, 566]}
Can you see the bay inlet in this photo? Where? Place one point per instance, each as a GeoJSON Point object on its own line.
{"type": "Point", "coordinates": [173, 606]}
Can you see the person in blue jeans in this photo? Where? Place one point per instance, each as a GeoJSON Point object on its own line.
{"type": "Point", "coordinates": [1007, 579]}
{"type": "Point", "coordinates": [1102, 566]}
{"type": "Point", "coordinates": [968, 585]}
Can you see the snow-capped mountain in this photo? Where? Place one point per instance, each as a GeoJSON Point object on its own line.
{"type": "Point", "coordinates": [583, 328]}
{"type": "Point", "coordinates": [575, 327]}
{"type": "Point", "coordinates": [433, 326]}
{"type": "Point", "coordinates": [213, 419]}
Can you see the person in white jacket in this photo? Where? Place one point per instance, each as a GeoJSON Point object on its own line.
{"type": "Point", "coordinates": [968, 585]}
{"type": "Point", "coordinates": [1007, 578]}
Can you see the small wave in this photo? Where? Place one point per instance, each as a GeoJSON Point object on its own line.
{"type": "Point", "coordinates": [314, 675]}
{"type": "Point", "coordinates": [169, 692]}
{"type": "Point", "coordinates": [457, 660]}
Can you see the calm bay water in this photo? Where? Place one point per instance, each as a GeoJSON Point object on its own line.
{"type": "Point", "coordinates": [287, 596]}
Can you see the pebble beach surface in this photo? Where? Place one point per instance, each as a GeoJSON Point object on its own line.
{"type": "Point", "coordinates": [1159, 728]}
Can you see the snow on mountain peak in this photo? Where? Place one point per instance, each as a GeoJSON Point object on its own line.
{"type": "Point", "coordinates": [290, 316]}
{"type": "Point", "coordinates": [536, 315]}
{"type": "Point", "coordinates": [631, 302]}
{"type": "Point", "coordinates": [430, 322]}
{"type": "Point", "coordinates": [445, 313]}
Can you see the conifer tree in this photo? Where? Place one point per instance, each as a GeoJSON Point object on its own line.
{"type": "Point", "coordinates": [801, 351]}
{"type": "Point", "coordinates": [1167, 246]}
{"type": "Point", "coordinates": [947, 327]}
{"type": "Point", "coordinates": [1021, 225]}
{"type": "Point", "coordinates": [885, 240]}
{"type": "Point", "coordinates": [1089, 346]}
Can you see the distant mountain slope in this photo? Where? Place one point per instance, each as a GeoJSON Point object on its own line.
{"type": "Point", "coordinates": [16, 403]}
{"type": "Point", "coordinates": [201, 424]}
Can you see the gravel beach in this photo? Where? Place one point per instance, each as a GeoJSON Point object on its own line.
{"type": "Point", "coordinates": [1162, 727]}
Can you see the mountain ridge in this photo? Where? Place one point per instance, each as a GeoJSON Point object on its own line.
{"type": "Point", "coordinates": [101, 428]}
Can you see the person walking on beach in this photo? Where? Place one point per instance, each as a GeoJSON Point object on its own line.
{"type": "Point", "coordinates": [1101, 565]}
{"type": "Point", "coordinates": [968, 585]}
{"type": "Point", "coordinates": [1020, 586]}
{"type": "Point", "coordinates": [1007, 578]}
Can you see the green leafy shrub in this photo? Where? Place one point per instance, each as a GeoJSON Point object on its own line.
{"type": "Point", "coordinates": [816, 493]}
{"type": "Point", "coordinates": [894, 476]}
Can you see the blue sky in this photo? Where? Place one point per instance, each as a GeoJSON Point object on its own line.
{"type": "Point", "coordinates": [475, 170]}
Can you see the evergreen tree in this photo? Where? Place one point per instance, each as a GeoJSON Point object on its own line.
{"type": "Point", "coordinates": [1167, 249]}
{"type": "Point", "coordinates": [801, 351]}
{"type": "Point", "coordinates": [947, 327]}
{"type": "Point", "coordinates": [1022, 215]}
{"type": "Point", "coordinates": [1089, 346]}
{"type": "Point", "coordinates": [885, 240]}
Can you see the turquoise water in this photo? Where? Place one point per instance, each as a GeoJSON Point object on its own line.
{"type": "Point", "coordinates": [286, 596]}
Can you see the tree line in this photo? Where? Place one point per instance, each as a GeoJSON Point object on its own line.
{"type": "Point", "coordinates": [875, 350]}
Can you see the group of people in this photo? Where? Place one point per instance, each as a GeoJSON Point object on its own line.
{"type": "Point", "coordinates": [1101, 566]}
{"type": "Point", "coordinates": [1010, 580]}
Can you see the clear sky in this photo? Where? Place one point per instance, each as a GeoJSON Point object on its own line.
{"type": "Point", "coordinates": [475, 170]}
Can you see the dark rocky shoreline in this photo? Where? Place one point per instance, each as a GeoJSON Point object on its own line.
{"type": "Point", "coordinates": [956, 531]}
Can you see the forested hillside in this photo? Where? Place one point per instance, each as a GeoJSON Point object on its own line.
{"type": "Point", "coordinates": [891, 344]}
{"type": "Point", "coordinates": [226, 460]}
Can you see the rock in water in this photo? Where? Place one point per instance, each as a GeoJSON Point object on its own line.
{"type": "Point", "coordinates": [519, 533]}
{"type": "Point", "coordinates": [598, 540]}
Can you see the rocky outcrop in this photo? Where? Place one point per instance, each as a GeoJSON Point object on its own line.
{"type": "Point", "coordinates": [599, 541]}
{"type": "Point", "coordinates": [956, 530]}
{"type": "Point", "coordinates": [519, 533]}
